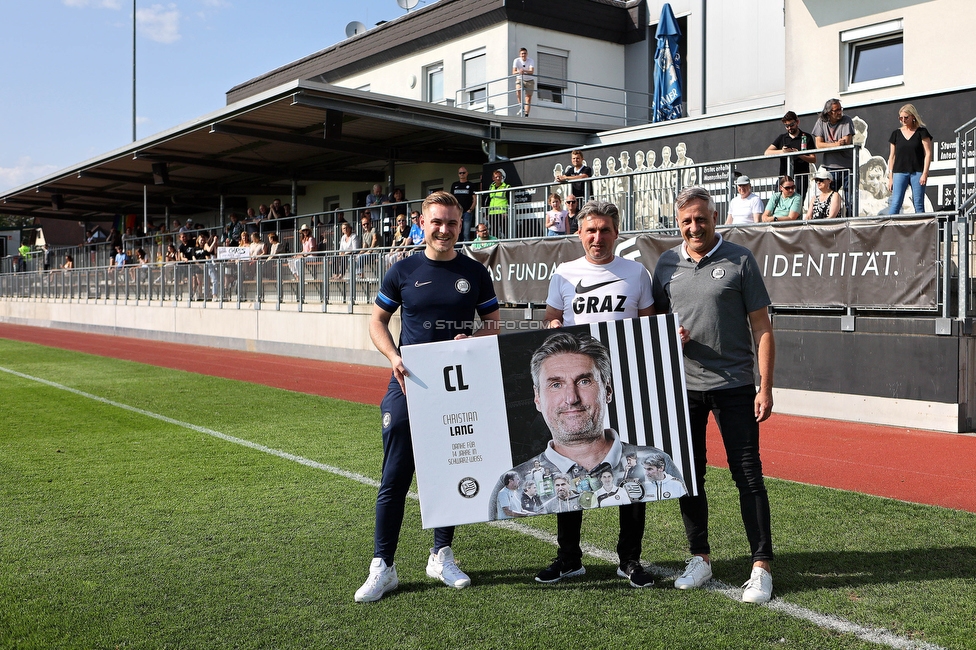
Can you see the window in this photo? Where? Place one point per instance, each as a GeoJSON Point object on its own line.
{"type": "Point", "coordinates": [552, 72]}
{"type": "Point", "coordinates": [475, 78]}
{"type": "Point", "coordinates": [873, 55]}
{"type": "Point", "coordinates": [434, 83]}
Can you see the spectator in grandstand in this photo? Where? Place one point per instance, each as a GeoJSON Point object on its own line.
{"type": "Point", "coordinates": [401, 240]}
{"type": "Point", "coordinates": [577, 172]}
{"type": "Point", "coordinates": [257, 247]}
{"type": "Point", "coordinates": [348, 244]}
{"type": "Point", "coordinates": [69, 263]}
{"type": "Point", "coordinates": [369, 237]}
{"type": "Point", "coordinates": [482, 239]}
{"type": "Point", "coordinates": [746, 207]}
{"type": "Point", "coordinates": [276, 210]}
{"type": "Point", "coordinates": [119, 258]}
{"type": "Point", "coordinates": [416, 231]}
{"type": "Point", "coordinates": [909, 157]}
{"type": "Point", "coordinates": [834, 129]}
{"type": "Point", "coordinates": [464, 191]}
{"type": "Point", "coordinates": [572, 210]}
{"type": "Point", "coordinates": [556, 217]}
{"type": "Point", "coordinates": [236, 229]}
{"type": "Point", "coordinates": [826, 203]}
{"type": "Point", "coordinates": [275, 247]}
{"type": "Point", "coordinates": [47, 254]}
{"type": "Point", "coordinates": [307, 241]}
{"type": "Point", "coordinates": [724, 322]}
{"type": "Point", "coordinates": [172, 255]}
{"type": "Point", "coordinates": [376, 197]}
{"type": "Point", "coordinates": [785, 205]}
{"type": "Point", "coordinates": [794, 140]}
{"type": "Point", "coordinates": [524, 69]}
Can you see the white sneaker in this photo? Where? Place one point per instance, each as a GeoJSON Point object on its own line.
{"type": "Point", "coordinates": [759, 587]}
{"type": "Point", "coordinates": [382, 578]}
{"type": "Point", "coordinates": [697, 573]}
{"type": "Point", "coordinates": [443, 567]}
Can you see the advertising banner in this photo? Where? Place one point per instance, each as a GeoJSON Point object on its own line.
{"type": "Point", "coordinates": [549, 421]}
{"type": "Point", "coordinates": [880, 263]}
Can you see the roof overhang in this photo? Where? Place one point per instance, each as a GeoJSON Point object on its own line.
{"type": "Point", "coordinates": [299, 133]}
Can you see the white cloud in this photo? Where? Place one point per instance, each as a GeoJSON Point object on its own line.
{"type": "Point", "coordinates": [24, 171]}
{"type": "Point", "coordinates": [103, 4]}
{"type": "Point", "coordinates": [159, 23]}
{"type": "Point", "coordinates": [216, 4]}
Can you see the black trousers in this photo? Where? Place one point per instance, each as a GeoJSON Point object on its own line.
{"type": "Point", "coordinates": [735, 415]}
{"type": "Point", "coordinates": [570, 524]}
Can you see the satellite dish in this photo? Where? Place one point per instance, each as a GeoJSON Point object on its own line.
{"type": "Point", "coordinates": [355, 27]}
{"type": "Point", "coordinates": [407, 5]}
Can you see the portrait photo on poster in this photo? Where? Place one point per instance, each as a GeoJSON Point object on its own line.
{"type": "Point", "coordinates": [597, 417]}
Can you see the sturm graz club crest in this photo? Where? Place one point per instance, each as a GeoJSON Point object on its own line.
{"type": "Point", "coordinates": [387, 418]}
{"type": "Point", "coordinates": [462, 286]}
{"type": "Point", "coordinates": [468, 487]}
{"type": "Point", "coordinates": [718, 273]}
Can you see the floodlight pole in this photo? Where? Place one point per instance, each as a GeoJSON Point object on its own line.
{"type": "Point", "coordinates": [133, 70]}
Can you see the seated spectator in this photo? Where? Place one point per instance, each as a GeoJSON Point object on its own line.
{"type": "Point", "coordinates": [308, 247]}
{"type": "Point", "coordinates": [276, 211]}
{"type": "Point", "coordinates": [482, 239]}
{"type": "Point", "coordinates": [172, 255]}
{"type": "Point", "coordinates": [556, 217]}
{"type": "Point", "coordinates": [257, 248]}
{"type": "Point", "coordinates": [275, 247]}
{"type": "Point", "coordinates": [785, 205]}
{"type": "Point", "coordinates": [369, 237]}
{"type": "Point", "coordinates": [416, 231]}
{"type": "Point", "coordinates": [325, 240]}
{"type": "Point", "coordinates": [746, 207]}
{"type": "Point", "coordinates": [401, 240]}
{"type": "Point", "coordinates": [348, 244]}
{"type": "Point", "coordinates": [69, 263]}
{"type": "Point", "coordinates": [826, 203]}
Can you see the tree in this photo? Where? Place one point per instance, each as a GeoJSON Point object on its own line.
{"type": "Point", "coordinates": [10, 221]}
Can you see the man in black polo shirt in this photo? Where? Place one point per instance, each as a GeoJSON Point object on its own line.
{"type": "Point", "coordinates": [464, 192]}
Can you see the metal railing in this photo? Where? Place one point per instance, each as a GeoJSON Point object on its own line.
{"type": "Point", "coordinates": [645, 198]}
{"type": "Point", "coordinates": [343, 279]}
{"type": "Point", "coordinates": [577, 100]}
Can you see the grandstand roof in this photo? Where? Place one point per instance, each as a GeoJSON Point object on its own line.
{"type": "Point", "coordinates": [260, 144]}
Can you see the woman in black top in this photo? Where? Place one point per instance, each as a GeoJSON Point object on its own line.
{"type": "Point", "coordinates": [909, 159]}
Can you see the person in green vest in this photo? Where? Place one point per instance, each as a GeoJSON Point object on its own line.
{"type": "Point", "coordinates": [498, 196]}
{"type": "Point", "coordinates": [24, 251]}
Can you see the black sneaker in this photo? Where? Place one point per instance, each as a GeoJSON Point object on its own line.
{"type": "Point", "coordinates": [636, 574]}
{"type": "Point", "coordinates": [560, 569]}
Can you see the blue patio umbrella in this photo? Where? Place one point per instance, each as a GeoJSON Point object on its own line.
{"type": "Point", "coordinates": [667, 69]}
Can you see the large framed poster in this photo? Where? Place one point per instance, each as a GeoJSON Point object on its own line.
{"type": "Point", "coordinates": [549, 421]}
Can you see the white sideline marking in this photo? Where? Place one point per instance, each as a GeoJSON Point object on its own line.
{"type": "Point", "coordinates": [834, 623]}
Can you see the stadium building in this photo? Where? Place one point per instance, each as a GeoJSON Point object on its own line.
{"type": "Point", "coordinates": [404, 103]}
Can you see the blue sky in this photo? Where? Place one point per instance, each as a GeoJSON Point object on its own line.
{"type": "Point", "coordinates": [66, 67]}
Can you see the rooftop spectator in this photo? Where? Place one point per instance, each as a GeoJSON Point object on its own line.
{"type": "Point", "coordinates": [524, 69]}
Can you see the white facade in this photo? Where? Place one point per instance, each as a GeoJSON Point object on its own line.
{"type": "Point", "coordinates": [596, 67]}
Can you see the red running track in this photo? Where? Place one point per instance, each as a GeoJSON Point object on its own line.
{"type": "Point", "coordinates": [907, 464]}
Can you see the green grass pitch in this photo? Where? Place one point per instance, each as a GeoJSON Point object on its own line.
{"type": "Point", "coordinates": [118, 530]}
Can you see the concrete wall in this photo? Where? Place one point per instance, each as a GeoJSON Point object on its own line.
{"type": "Point", "coordinates": [938, 45]}
{"type": "Point", "coordinates": [314, 335]}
